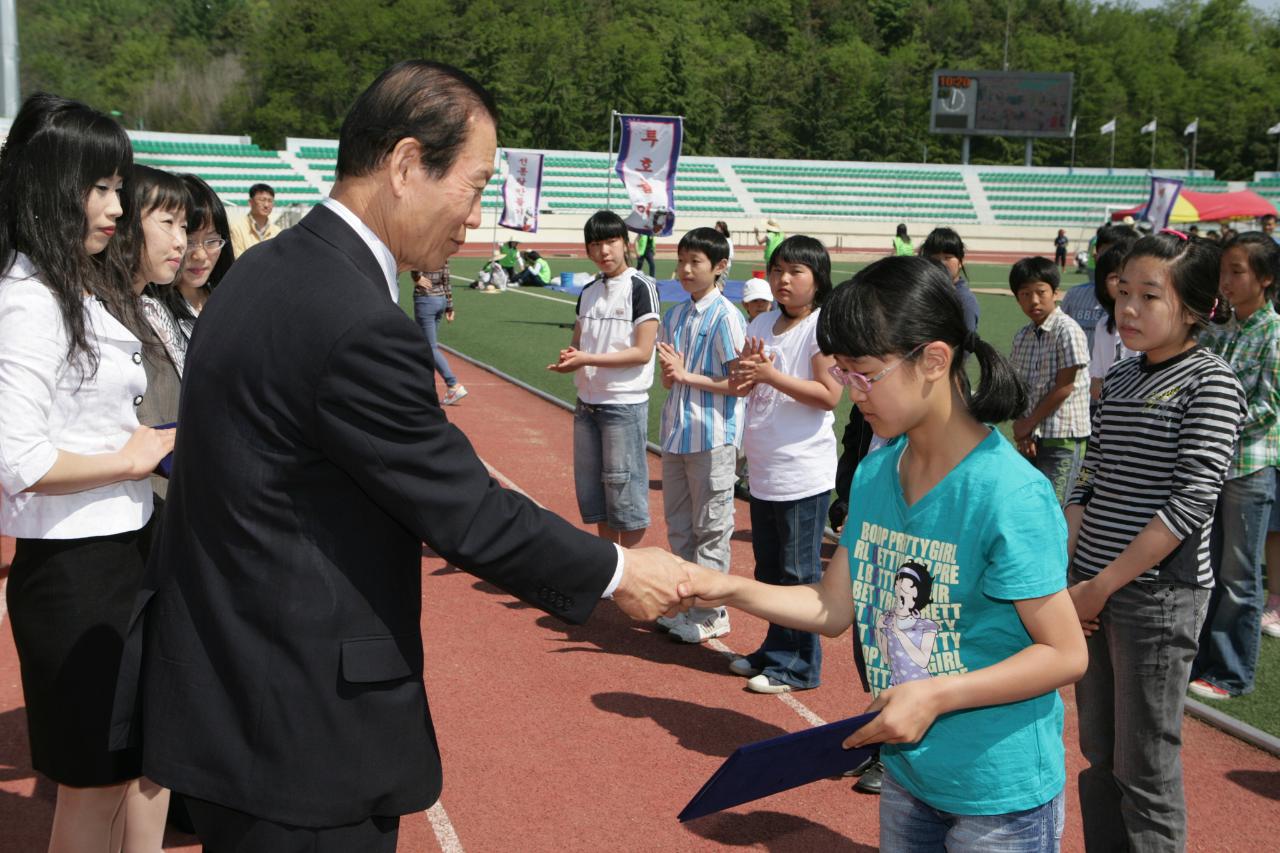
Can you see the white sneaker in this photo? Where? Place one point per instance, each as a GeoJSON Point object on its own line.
{"type": "Point", "coordinates": [700, 632]}
{"type": "Point", "coordinates": [764, 684]}
{"type": "Point", "coordinates": [742, 666]}
{"type": "Point", "coordinates": [667, 623]}
{"type": "Point", "coordinates": [454, 394]}
{"type": "Point", "coordinates": [1271, 622]}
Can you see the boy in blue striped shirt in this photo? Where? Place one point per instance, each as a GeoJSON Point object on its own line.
{"type": "Point", "coordinates": [702, 420]}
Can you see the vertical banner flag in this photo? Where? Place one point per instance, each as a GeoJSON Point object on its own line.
{"type": "Point", "coordinates": [1164, 194]}
{"type": "Point", "coordinates": [521, 191]}
{"type": "Point", "coordinates": [647, 161]}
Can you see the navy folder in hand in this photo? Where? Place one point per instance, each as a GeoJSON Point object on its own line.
{"type": "Point", "coordinates": [779, 764]}
{"type": "Point", "coordinates": [165, 467]}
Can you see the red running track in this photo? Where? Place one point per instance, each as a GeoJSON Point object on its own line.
{"type": "Point", "coordinates": [560, 738]}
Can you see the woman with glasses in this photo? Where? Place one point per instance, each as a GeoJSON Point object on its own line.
{"type": "Point", "coordinates": [209, 256]}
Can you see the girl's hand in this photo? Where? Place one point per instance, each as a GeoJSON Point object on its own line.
{"type": "Point", "coordinates": [571, 359]}
{"type": "Point", "coordinates": [1027, 447]}
{"type": "Point", "coordinates": [145, 448]}
{"type": "Point", "coordinates": [672, 361]}
{"type": "Point", "coordinates": [448, 314]}
{"type": "Point", "coordinates": [906, 713]}
{"type": "Point", "coordinates": [1022, 428]}
{"type": "Point", "coordinates": [712, 588]}
{"type": "Point", "coordinates": [1089, 598]}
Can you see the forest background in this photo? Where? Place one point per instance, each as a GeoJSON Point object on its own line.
{"type": "Point", "coordinates": [803, 79]}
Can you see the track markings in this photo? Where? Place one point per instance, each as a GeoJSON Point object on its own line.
{"type": "Point", "coordinates": [805, 712]}
{"type": "Point", "coordinates": [443, 828]}
{"type": "Point", "coordinates": [4, 607]}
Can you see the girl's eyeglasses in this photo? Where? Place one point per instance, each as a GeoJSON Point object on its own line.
{"type": "Point", "coordinates": [210, 246]}
{"type": "Point", "coordinates": [853, 379]}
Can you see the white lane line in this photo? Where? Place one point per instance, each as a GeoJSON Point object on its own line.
{"type": "Point", "coordinates": [539, 295]}
{"type": "Point", "coordinates": [443, 828]}
{"type": "Point", "coordinates": [4, 608]}
{"type": "Point", "coordinates": [787, 699]}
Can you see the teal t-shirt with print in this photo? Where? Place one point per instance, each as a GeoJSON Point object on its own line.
{"type": "Point", "coordinates": [934, 586]}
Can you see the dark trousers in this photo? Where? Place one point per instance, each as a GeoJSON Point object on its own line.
{"type": "Point", "coordinates": [1130, 707]}
{"type": "Point", "coordinates": [647, 258]}
{"type": "Point", "coordinates": [224, 830]}
{"type": "Point", "coordinates": [786, 538]}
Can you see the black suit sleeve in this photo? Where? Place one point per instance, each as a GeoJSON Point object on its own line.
{"type": "Point", "coordinates": [379, 420]}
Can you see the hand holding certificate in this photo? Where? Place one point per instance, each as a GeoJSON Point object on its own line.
{"type": "Point", "coordinates": [779, 764]}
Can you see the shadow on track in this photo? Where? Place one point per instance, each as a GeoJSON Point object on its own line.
{"type": "Point", "coordinates": [773, 831]}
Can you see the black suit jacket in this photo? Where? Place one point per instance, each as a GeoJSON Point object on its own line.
{"type": "Point", "coordinates": [282, 672]}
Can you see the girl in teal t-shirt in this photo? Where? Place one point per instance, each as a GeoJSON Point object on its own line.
{"type": "Point", "coordinates": [952, 570]}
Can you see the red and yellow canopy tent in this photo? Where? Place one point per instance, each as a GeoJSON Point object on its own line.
{"type": "Point", "coordinates": [1193, 206]}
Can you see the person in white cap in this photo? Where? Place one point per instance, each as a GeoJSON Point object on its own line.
{"type": "Point", "coordinates": [757, 298]}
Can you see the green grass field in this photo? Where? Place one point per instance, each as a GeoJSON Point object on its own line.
{"type": "Point", "coordinates": [521, 332]}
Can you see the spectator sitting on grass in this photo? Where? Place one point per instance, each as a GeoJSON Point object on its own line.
{"type": "Point", "coordinates": [537, 272]}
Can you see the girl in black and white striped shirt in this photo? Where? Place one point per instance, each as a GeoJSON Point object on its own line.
{"type": "Point", "coordinates": [1139, 521]}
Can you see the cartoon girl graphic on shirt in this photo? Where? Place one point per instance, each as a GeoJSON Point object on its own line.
{"type": "Point", "coordinates": [905, 639]}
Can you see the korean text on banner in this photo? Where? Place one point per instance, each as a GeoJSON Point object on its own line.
{"type": "Point", "coordinates": [521, 191]}
{"type": "Point", "coordinates": [647, 161]}
{"type": "Point", "coordinates": [1164, 195]}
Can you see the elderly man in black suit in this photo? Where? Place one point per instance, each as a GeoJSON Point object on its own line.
{"type": "Point", "coordinates": [282, 682]}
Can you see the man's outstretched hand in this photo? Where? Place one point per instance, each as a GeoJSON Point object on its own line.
{"type": "Point", "coordinates": [650, 578]}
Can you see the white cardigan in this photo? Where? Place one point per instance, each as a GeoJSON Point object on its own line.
{"type": "Point", "coordinates": [47, 405]}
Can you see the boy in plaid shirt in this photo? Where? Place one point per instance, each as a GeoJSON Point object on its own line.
{"type": "Point", "coordinates": [1051, 354]}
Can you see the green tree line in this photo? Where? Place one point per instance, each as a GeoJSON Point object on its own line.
{"type": "Point", "coordinates": [806, 79]}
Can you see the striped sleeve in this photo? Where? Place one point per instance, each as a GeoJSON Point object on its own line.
{"type": "Point", "coordinates": [644, 299]}
{"type": "Point", "coordinates": [1206, 444]}
{"type": "Point", "coordinates": [730, 336]}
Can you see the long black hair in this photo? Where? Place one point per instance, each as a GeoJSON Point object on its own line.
{"type": "Point", "coordinates": [897, 304]}
{"type": "Point", "coordinates": [1108, 264]}
{"type": "Point", "coordinates": [57, 149]}
{"type": "Point", "coordinates": [148, 189]}
{"type": "Point", "coordinates": [1264, 257]}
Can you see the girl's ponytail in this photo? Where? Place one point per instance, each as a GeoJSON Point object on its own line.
{"type": "Point", "coordinates": [1001, 393]}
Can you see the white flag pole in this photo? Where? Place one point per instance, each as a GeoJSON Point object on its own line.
{"type": "Point", "coordinates": [497, 211]}
{"type": "Point", "coordinates": [1112, 167]}
{"type": "Point", "coordinates": [1194, 137]}
{"type": "Point", "coordinates": [608, 181]}
{"type": "Point", "coordinates": [1153, 145]}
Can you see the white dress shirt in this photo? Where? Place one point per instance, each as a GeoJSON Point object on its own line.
{"type": "Point", "coordinates": [51, 405]}
{"type": "Point", "coordinates": [387, 261]}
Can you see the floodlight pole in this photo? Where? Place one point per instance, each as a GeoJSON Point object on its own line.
{"type": "Point", "coordinates": [608, 181]}
{"type": "Point", "coordinates": [8, 58]}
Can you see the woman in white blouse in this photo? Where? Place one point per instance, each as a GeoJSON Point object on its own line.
{"type": "Point", "coordinates": [73, 462]}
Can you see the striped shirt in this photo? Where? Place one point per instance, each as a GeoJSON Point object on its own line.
{"type": "Point", "coordinates": [709, 333]}
{"type": "Point", "coordinates": [1252, 348]}
{"type": "Point", "coordinates": [435, 283]}
{"type": "Point", "coordinates": [1162, 441]}
{"type": "Point", "coordinates": [1039, 352]}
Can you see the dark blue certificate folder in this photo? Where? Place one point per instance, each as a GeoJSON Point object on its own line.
{"type": "Point", "coordinates": [165, 466]}
{"type": "Point", "coordinates": [779, 764]}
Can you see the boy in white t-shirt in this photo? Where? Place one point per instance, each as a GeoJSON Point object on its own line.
{"type": "Point", "coordinates": [611, 358]}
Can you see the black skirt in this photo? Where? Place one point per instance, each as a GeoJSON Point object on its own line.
{"type": "Point", "coordinates": [69, 605]}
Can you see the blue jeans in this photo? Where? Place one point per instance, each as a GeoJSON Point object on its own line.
{"type": "Point", "coordinates": [1130, 703]}
{"type": "Point", "coordinates": [1228, 656]}
{"type": "Point", "coordinates": [786, 539]}
{"type": "Point", "coordinates": [908, 825]}
{"type": "Point", "coordinates": [610, 471]}
{"type": "Point", "coordinates": [428, 311]}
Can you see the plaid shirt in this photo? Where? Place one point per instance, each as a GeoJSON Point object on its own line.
{"type": "Point", "coordinates": [1039, 352]}
{"type": "Point", "coordinates": [435, 283]}
{"type": "Point", "coordinates": [1252, 348]}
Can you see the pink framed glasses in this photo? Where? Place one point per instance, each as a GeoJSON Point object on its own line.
{"type": "Point", "coordinates": [853, 379]}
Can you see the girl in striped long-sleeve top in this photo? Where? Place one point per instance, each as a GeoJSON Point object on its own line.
{"type": "Point", "coordinates": [1139, 521]}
